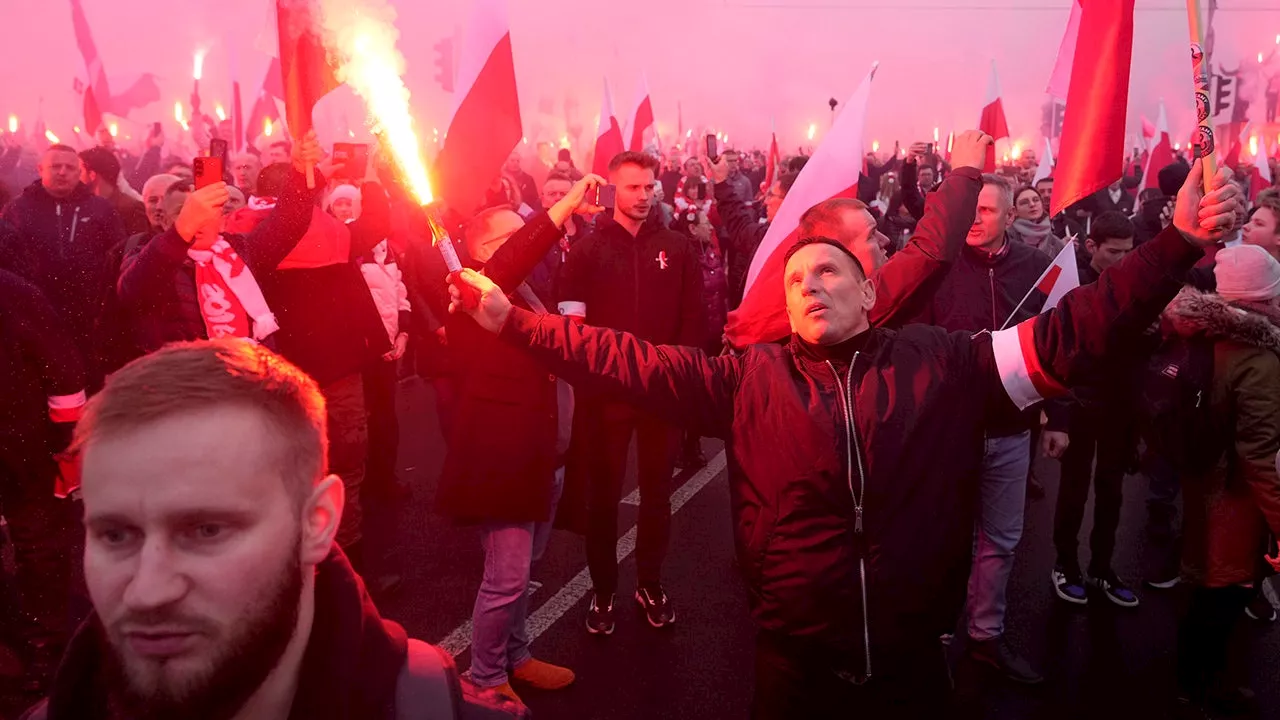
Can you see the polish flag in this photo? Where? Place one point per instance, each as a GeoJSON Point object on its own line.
{"type": "Point", "coordinates": [774, 160]}
{"type": "Point", "coordinates": [1060, 81]}
{"type": "Point", "coordinates": [608, 136]}
{"type": "Point", "coordinates": [832, 172]}
{"type": "Point", "coordinates": [642, 119]}
{"type": "Point", "coordinates": [1091, 153]}
{"type": "Point", "coordinates": [304, 63]}
{"type": "Point", "coordinates": [1148, 134]}
{"type": "Point", "coordinates": [1161, 155]}
{"type": "Point", "coordinates": [1060, 278]}
{"type": "Point", "coordinates": [1260, 173]}
{"type": "Point", "coordinates": [993, 120]}
{"type": "Point", "coordinates": [485, 125]}
{"type": "Point", "coordinates": [1045, 169]}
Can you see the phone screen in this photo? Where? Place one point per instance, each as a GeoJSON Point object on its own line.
{"type": "Point", "coordinates": [208, 170]}
{"type": "Point", "coordinates": [352, 160]}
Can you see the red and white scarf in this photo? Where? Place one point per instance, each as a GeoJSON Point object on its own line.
{"type": "Point", "coordinates": [231, 302]}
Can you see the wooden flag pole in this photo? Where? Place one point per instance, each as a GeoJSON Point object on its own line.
{"type": "Point", "coordinates": [1204, 143]}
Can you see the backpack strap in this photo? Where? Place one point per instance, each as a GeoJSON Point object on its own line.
{"type": "Point", "coordinates": [428, 686]}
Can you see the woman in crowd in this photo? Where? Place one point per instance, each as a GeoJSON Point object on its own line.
{"type": "Point", "coordinates": [1032, 225]}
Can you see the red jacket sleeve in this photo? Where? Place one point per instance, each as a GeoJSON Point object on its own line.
{"type": "Point", "coordinates": [907, 281]}
{"type": "Point", "coordinates": [682, 385]}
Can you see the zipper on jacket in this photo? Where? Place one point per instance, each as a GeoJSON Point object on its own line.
{"type": "Point", "coordinates": [851, 436]}
{"type": "Point", "coordinates": [995, 321]}
{"type": "Point", "coordinates": [74, 221]}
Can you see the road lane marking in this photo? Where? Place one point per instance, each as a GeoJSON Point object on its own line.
{"type": "Point", "coordinates": [539, 621]}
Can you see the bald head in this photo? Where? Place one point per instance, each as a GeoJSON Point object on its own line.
{"type": "Point", "coordinates": [153, 191]}
{"type": "Point", "coordinates": [489, 230]}
{"type": "Point", "coordinates": [847, 221]}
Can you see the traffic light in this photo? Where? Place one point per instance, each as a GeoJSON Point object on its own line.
{"type": "Point", "coordinates": [444, 61]}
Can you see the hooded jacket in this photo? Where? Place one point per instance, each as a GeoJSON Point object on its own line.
{"type": "Point", "coordinates": [62, 247]}
{"type": "Point", "coordinates": [1230, 509]}
{"type": "Point", "coordinates": [354, 666]}
{"type": "Point", "coordinates": [853, 491]}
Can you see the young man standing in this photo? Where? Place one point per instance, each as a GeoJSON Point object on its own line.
{"type": "Point", "coordinates": [631, 274]}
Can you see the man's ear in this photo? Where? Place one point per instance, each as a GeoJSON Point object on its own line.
{"type": "Point", "coordinates": [1090, 246]}
{"type": "Point", "coordinates": [321, 517]}
{"type": "Point", "coordinates": [869, 294]}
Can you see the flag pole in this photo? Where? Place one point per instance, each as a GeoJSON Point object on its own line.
{"type": "Point", "coordinates": [1204, 141]}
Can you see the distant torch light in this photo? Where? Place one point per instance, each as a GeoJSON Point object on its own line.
{"type": "Point", "coordinates": [13, 123]}
{"type": "Point", "coordinates": [197, 71]}
{"type": "Point", "coordinates": [48, 135]}
{"type": "Point", "coordinates": [266, 127]}
{"type": "Point", "coordinates": [813, 130]}
{"type": "Point", "coordinates": [875, 145]}
{"type": "Point", "coordinates": [220, 112]}
{"type": "Point", "coordinates": [114, 129]}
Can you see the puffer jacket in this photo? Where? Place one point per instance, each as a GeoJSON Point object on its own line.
{"type": "Point", "coordinates": [62, 248]}
{"type": "Point", "coordinates": [386, 285]}
{"type": "Point", "coordinates": [852, 492]}
{"type": "Point", "coordinates": [1230, 510]}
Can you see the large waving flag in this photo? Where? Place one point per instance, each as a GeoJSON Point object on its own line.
{"type": "Point", "coordinates": [832, 172]}
{"type": "Point", "coordinates": [1060, 81]}
{"type": "Point", "coordinates": [1161, 155]}
{"type": "Point", "coordinates": [144, 90]}
{"type": "Point", "coordinates": [993, 121]}
{"type": "Point", "coordinates": [304, 63]}
{"type": "Point", "coordinates": [1091, 154]}
{"type": "Point", "coordinates": [642, 119]}
{"type": "Point", "coordinates": [486, 123]}
{"type": "Point", "coordinates": [608, 135]}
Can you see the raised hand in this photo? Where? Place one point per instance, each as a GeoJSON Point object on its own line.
{"type": "Point", "coordinates": [307, 152]}
{"type": "Point", "coordinates": [202, 213]}
{"type": "Point", "coordinates": [1205, 219]}
{"type": "Point", "coordinates": [970, 149]}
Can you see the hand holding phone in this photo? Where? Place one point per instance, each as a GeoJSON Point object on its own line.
{"type": "Point", "coordinates": [713, 148]}
{"type": "Point", "coordinates": [209, 170]}
{"type": "Point", "coordinates": [606, 196]}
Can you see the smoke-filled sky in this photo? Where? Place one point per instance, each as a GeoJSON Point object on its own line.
{"type": "Point", "coordinates": [731, 64]}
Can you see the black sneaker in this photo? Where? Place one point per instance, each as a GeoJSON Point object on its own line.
{"type": "Point", "coordinates": [997, 653]}
{"type": "Point", "coordinates": [1069, 584]}
{"type": "Point", "coordinates": [657, 606]}
{"type": "Point", "coordinates": [1261, 609]}
{"type": "Point", "coordinates": [600, 616]}
{"type": "Point", "coordinates": [1114, 589]}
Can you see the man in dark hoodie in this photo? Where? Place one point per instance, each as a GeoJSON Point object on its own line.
{"type": "Point", "coordinates": [42, 386]}
{"type": "Point", "coordinates": [210, 558]}
{"type": "Point", "coordinates": [65, 234]}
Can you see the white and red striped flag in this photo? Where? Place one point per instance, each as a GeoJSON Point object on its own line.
{"type": "Point", "coordinates": [642, 119]}
{"type": "Point", "coordinates": [1148, 134]}
{"type": "Point", "coordinates": [1045, 168]}
{"type": "Point", "coordinates": [485, 124]}
{"type": "Point", "coordinates": [1021, 372]}
{"type": "Point", "coordinates": [608, 135]}
{"type": "Point", "coordinates": [993, 121]}
{"type": "Point", "coordinates": [1161, 155]}
{"type": "Point", "coordinates": [773, 161]}
{"type": "Point", "coordinates": [832, 172]}
{"type": "Point", "coordinates": [1091, 154]}
{"type": "Point", "coordinates": [1060, 81]}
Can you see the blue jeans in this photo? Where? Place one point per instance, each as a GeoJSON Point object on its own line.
{"type": "Point", "coordinates": [1005, 462]}
{"type": "Point", "coordinates": [499, 639]}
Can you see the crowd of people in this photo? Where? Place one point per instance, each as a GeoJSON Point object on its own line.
{"type": "Point", "coordinates": [208, 376]}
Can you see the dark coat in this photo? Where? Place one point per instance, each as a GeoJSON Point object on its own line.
{"type": "Point", "coordinates": [1230, 510]}
{"type": "Point", "coordinates": [920, 399]}
{"type": "Point", "coordinates": [62, 247]}
{"type": "Point", "coordinates": [501, 461]}
{"type": "Point", "coordinates": [157, 287]}
{"type": "Point", "coordinates": [740, 233]}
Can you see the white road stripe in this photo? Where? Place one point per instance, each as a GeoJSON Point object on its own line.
{"type": "Point", "coordinates": [568, 596]}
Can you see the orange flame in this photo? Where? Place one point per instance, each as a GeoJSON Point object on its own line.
{"type": "Point", "coordinates": [177, 115]}
{"type": "Point", "coordinates": [114, 129]}
{"type": "Point", "coordinates": [198, 70]}
{"type": "Point", "coordinates": [266, 127]}
{"type": "Point", "coordinates": [13, 123]}
{"type": "Point", "coordinates": [362, 37]}
{"type": "Point", "coordinates": [48, 135]}
{"type": "Point", "coordinates": [220, 112]}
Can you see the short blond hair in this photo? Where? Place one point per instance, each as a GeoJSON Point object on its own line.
{"type": "Point", "coordinates": [183, 377]}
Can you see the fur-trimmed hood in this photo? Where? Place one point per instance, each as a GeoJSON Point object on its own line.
{"type": "Point", "coordinates": [1194, 313]}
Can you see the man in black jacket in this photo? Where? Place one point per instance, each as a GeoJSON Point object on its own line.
{"type": "Point", "coordinates": [42, 387]}
{"type": "Point", "coordinates": [631, 275]}
{"type": "Point", "coordinates": [64, 236]}
{"type": "Point", "coordinates": [982, 292]}
{"type": "Point", "coordinates": [850, 531]}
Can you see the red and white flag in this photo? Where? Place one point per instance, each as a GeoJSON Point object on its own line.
{"type": "Point", "coordinates": [1148, 134]}
{"type": "Point", "coordinates": [144, 90]}
{"type": "Point", "coordinates": [1161, 155]}
{"type": "Point", "coordinates": [832, 172]}
{"type": "Point", "coordinates": [608, 135]}
{"type": "Point", "coordinates": [1021, 372]}
{"type": "Point", "coordinates": [1091, 153]}
{"type": "Point", "coordinates": [1060, 81]}
{"type": "Point", "coordinates": [772, 163]}
{"type": "Point", "coordinates": [485, 124]}
{"type": "Point", "coordinates": [993, 121]}
{"type": "Point", "coordinates": [642, 120]}
{"type": "Point", "coordinates": [1045, 168]}
{"type": "Point", "coordinates": [304, 63]}
{"type": "Point", "coordinates": [1260, 174]}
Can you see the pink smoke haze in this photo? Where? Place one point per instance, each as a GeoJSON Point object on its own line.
{"type": "Point", "coordinates": [733, 65]}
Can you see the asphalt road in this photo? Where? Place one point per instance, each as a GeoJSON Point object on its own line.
{"type": "Point", "coordinates": [1101, 661]}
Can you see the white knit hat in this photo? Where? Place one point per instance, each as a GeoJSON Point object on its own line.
{"type": "Point", "coordinates": [1247, 273]}
{"type": "Point", "coordinates": [350, 192]}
